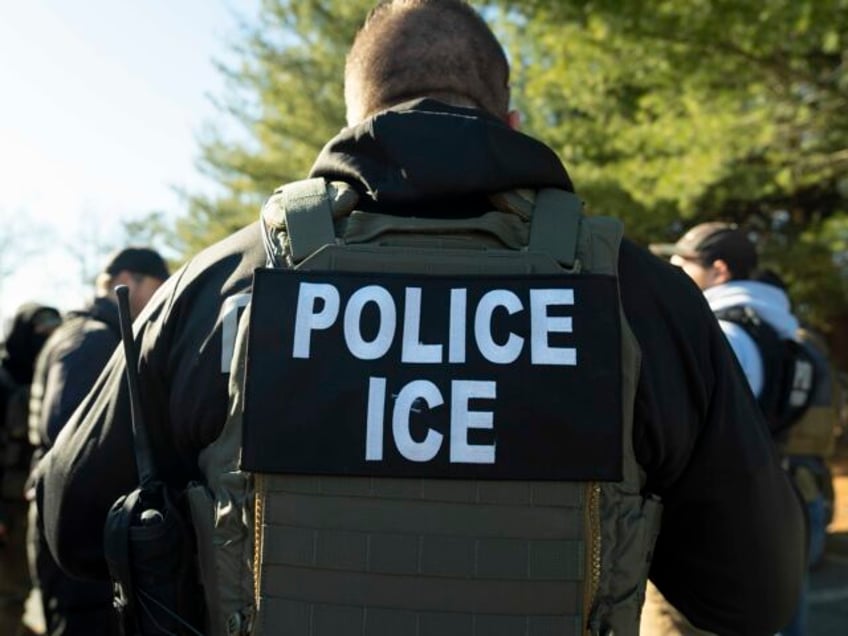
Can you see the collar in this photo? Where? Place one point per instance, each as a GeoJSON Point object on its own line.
{"type": "Point", "coordinates": [767, 301]}
{"type": "Point", "coordinates": [103, 309]}
{"type": "Point", "coordinates": [424, 152]}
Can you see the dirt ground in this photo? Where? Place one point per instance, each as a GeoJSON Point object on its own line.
{"type": "Point", "coordinates": [839, 469]}
{"type": "Point", "coordinates": [840, 484]}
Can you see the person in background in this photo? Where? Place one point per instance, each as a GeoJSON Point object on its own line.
{"type": "Point", "coordinates": [756, 317]}
{"type": "Point", "coordinates": [720, 258]}
{"type": "Point", "coordinates": [66, 370]}
{"type": "Point", "coordinates": [31, 326]}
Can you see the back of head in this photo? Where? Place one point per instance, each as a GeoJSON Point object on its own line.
{"type": "Point", "coordinates": [713, 241]}
{"type": "Point", "coordinates": [425, 48]}
{"type": "Point", "coordinates": [140, 261]}
{"type": "Point", "coordinates": [141, 269]}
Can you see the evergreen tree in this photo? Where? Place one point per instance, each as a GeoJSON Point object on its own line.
{"type": "Point", "coordinates": [665, 113]}
{"type": "Point", "coordinates": [668, 114]}
{"type": "Point", "coordinates": [287, 94]}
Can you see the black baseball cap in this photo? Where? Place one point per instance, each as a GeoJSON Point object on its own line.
{"type": "Point", "coordinates": [138, 260]}
{"type": "Point", "coordinates": [709, 242]}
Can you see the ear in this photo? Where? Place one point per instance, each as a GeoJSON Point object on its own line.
{"type": "Point", "coordinates": [721, 272]}
{"type": "Point", "coordinates": [122, 278]}
{"type": "Point", "coordinates": [513, 119]}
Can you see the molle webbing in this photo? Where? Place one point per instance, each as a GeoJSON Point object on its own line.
{"type": "Point", "coordinates": [410, 556]}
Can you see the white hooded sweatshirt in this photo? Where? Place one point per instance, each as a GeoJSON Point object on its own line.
{"type": "Point", "coordinates": [770, 303]}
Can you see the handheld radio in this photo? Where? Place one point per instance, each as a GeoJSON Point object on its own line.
{"type": "Point", "coordinates": [147, 543]}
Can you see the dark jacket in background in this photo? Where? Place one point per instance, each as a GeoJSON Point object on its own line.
{"type": "Point", "coordinates": [31, 326]}
{"type": "Point", "coordinates": [698, 433]}
{"type": "Point", "coordinates": [66, 370]}
{"type": "Point", "coordinates": [69, 365]}
{"type": "Point", "coordinates": [29, 329]}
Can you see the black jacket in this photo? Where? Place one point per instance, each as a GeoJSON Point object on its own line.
{"type": "Point", "coordinates": [30, 328]}
{"type": "Point", "coordinates": [698, 432]}
{"type": "Point", "coordinates": [68, 366]}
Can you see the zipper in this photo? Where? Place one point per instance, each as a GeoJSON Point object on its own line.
{"type": "Point", "coordinates": [258, 512]}
{"type": "Point", "coordinates": [592, 529]}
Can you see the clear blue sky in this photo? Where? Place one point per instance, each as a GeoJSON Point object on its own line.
{"type": "Point", "coordinates": [102, 103]}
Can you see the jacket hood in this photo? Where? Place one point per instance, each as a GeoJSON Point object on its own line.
{"type": "Point", "coordinates": [769, 302]}
{"type": "Point", "coordinates": [425, 151]}
{"type": "Point", "coordinates": [31, 326]}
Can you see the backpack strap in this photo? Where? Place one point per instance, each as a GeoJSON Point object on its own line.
{"type": "Point", "coordinates": [555, 225]}
{"type": "Point", "coordinates": [788, 370]}
{"type": "Point", "coordinates": [307, 215]}
{"type": "Point", "coordinates": [770, 350]}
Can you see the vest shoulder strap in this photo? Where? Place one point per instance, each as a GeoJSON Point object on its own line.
{"type": "Point", "coordinates": [308, 216]}
{"type": "Point", "coordinates": [555, 225]}
{"type": "Point", "coordinates": [303, 214]}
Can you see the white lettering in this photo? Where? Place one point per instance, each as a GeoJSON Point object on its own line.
{"type": "Point", "coordinates": [379, 346]}
{"type": "Point", "coordinates": [802, 383]}
{"type": "Point", "coordinates": [375, 335]}
{"type": "Point", "coordinates": [415, 397]}
{"type": "Point", "coordinates": [461, 452]}
{"type": "Point", "coordinates": [456, 343]}
{"type": "Point", "coordinates": [541, 324]}
{"type": "Point", "coordinates": [408, 396]}
{"type": "Point", "coordinates": [307, 320]}
{"type": "Point", "coordinates": [413, 350]}
{"type": "Point", "coordinates": [229, 318]}
{"type": "Point", "coordinates": [493, 352]}
{"type": "Point", "coordinates": [374, 428]}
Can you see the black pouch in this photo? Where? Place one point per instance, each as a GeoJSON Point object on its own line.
{"type": "Point", "coordinates": [149, 549]}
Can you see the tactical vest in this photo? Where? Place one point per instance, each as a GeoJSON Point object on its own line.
{"type": "Point", "coordinates": [425, 545]}
{"type": "Point", "coordinates": [789, 379]}
{"type": "Point", "coordinates": [814, 433]}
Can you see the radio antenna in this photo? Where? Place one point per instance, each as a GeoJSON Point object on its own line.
{"type": "Point", "coordinates": [141, 442]}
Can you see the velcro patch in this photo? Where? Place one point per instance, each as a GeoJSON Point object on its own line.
{"type": "Point", "coordinates": [491, 377]}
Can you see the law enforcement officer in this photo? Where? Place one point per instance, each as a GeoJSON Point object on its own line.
{"type": "Point", "coordinates": [430, 134]}
{"type": "Point", "coordinates": [720, 258]}
{"type": "Point", "coordinates": [66, 370]}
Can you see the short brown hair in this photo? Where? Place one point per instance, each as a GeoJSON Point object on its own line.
{"type": "Point", "coordinates": [425, 48]}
